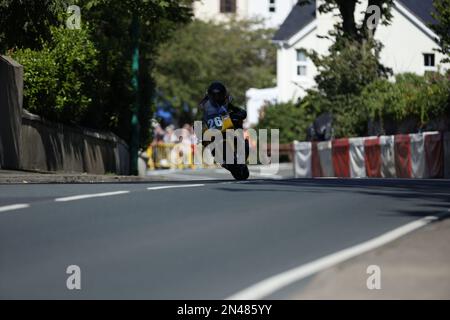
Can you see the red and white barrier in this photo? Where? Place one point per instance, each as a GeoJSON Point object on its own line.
{"type": "Point", "coordinates": [325, 156]}
{"type": "Point", "coordinates": [434, 155]}
{"type": "Point", "coordinates": [357, 158]}
{"type": "Point", "coordinates": [387, 157]}
{"type": "Point", "coordinates": [402, 155]}
{"type": "Point", "coordinates": [315, 161]}
{"type": "Point", "coordinates": [303, 156]}
{"type": "Point", "coordinates": [341, 158]}
{"type": "Point", "coordinates": [417, 145]}
{"type": "Point", "coordinates": [372, 157]}
{"type": "Point", "coordinates": [425, 155]}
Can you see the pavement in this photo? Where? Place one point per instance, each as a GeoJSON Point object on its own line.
{"type": "Point", "coordinates": [283, 170]}
{"type": "Point", "coordinates": [17, 177]}
{"type": "Point", "coordinates": [208, 239]}
{"type": "Point", "coordinates": [416, 266]}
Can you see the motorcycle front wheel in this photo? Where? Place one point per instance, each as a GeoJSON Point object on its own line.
{"type": "Point", "coordinates": [239, 172]}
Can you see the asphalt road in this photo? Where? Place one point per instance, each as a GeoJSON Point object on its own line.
{"type": "Point", "coordinates": [198, 242]}
{"type": "Point", "coordinates": [282, 171]}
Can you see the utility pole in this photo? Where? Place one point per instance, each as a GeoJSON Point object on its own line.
{"type": "Point", "coordinates": [134, 146]}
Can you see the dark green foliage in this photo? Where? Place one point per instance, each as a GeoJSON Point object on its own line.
{"type": "Point", "coordinates": [111, 25]}
{"type": "Point", "coordinates": [348, 68]}
{"type": "Point", "coordinates": [411, 96]}
{"type": "Point", "coordinates": [291, 119]}
{"type": "Point", "coordinates": [26, 23]}
{"type": "Point", "coordinates": [442, 27]}
{"type": "Point", "coordinates": [59, 77]}
{"type": "Point", "coordinates": [84, 76]}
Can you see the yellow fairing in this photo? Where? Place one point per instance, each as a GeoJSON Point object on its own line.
{"type": "Point", "coordinates": [227, 124]}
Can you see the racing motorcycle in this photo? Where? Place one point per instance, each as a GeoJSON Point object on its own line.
{"type": "Point", "coordinates": [224, 122]}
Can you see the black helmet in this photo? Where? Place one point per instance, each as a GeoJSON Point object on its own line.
{"type": "Point", "coordinates": [217, 87]}
{"type": "Point", "coordinates": [217, 92]}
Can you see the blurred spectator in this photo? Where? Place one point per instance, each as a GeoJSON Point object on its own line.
{"type": "Point", "coordinates": [186, 134]}
{"type": "Point", "coordinates": [194, 139]}
{"type": "Point", "coordinates": [251, 141]}
{"type": "Point", "coordinates": [321, 129]}
{"type": "Point", "coordinates": [158, 134]}
{"type": "Point", "coordinates": [170, 136]}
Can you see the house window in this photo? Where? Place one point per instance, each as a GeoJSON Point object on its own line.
{"type": "Point", "coordinates": [228, 6]}
{"type": "Point", "coordinates": [302, 62]}
{"type": "Point", "coordinates": [301, 55]}
{"type": "Point", "coordinates": [272, 6]}
{"type": "Point", "coordinates": [429, 60]}
{"type": "Point", "coordinates": [301, 71]}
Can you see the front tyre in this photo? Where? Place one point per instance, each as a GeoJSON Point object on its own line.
{"type": "Point", "coordinates": [240, 172]}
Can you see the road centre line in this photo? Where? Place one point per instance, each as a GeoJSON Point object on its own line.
{"type": "Point", "coordinates": [277, 282]}
{"type": "Point", "coordinates": [88, 196]}
{"type": "Point", "coordinates": [176, 186]}
{"type": "Point", "coordinates": [14, 207]}
{"type": "Point", "coordinates": [94, 195]}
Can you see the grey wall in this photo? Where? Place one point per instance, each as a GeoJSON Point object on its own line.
{"type": "Point", "coordinates": [11, 84]}
{"type": "Point", "coordinates": [447, 155]}
{"type": "Point", "coordinates": [28, 142]}
{"type": "Point", "coordinates": [51, 146]}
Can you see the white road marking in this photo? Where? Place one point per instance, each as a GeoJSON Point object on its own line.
{"type": "Point", "coordinates": [88, 196]}
{"type": "Point", "coordinates": [254, 172]}
{"type": "Point", "coordinates": [188, 177]}
{"type": "Point", "coordinates": [275, 283]}
{"type": "Point", "coordinates": [222, 171]}
{"type": "Point", "coordinates": [14, 207]}
{"type": "Point", "coordinates": [266, 175]}
{"type": "Point", "coordinates": [176, 186]}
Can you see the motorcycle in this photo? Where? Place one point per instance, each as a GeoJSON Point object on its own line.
{"type": "Point", "coordinates": [223, 123]}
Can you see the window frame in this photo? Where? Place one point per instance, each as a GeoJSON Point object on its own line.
{"type": "Point", "coordinates": [301, 63]}
{"type": "Point", "coordinates": [272, 6]}
{"type": "Point", "coordinates": [228, 6]}
{"type": "Point", "coordinates": [425, 61]}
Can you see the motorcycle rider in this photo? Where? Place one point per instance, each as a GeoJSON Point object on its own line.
{"type": "Point", "coordinates": [217, 103]}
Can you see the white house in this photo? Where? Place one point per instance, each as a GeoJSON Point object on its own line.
{"type": "Point", "coordinates": [409, 43]}
{"type": "Point", "coordinates": [274, 12]}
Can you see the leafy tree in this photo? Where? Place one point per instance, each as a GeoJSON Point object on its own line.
{"type": "Point", "coordinates": [238, 53]}
{"type": "Point", "coordinates": [26, 24]}
{"type": "Point", "coordinates": [289, 118]}
{"type": "Point", "coordinates": [353, 85]}
{"type": "Point", "coordinates": [347, 109]}
{"type": "Point", "coordinates": [111, 24]}
{"type": "Point", "coordinates": [105, 102]}
{"type": "Point", "coordinates": [348, 26]}
{"type": "Point", "coordinates": [442, 27]}
{"type": "Point", "coordinates": [352, 63]}
{"type": "Point", "coordinates": [59, 77]}
{"type": "Point", "coordinates": [343, 74]}
{"type": "Point", "coordinates": [348, 68]}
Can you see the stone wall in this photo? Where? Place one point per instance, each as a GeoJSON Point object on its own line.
{"type": "Point", "coordinates": [28, 142]}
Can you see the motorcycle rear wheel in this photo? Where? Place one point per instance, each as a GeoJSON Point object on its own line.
{"type": "Point", "coordinates": [239, 172]}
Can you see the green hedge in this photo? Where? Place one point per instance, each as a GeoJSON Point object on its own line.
{"type": "Point", "coordinates": [290, 119]}
{"type": "Point", "coordinates": [410, 96]}
{"type": "Point", "coordinates": [59, 78]}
